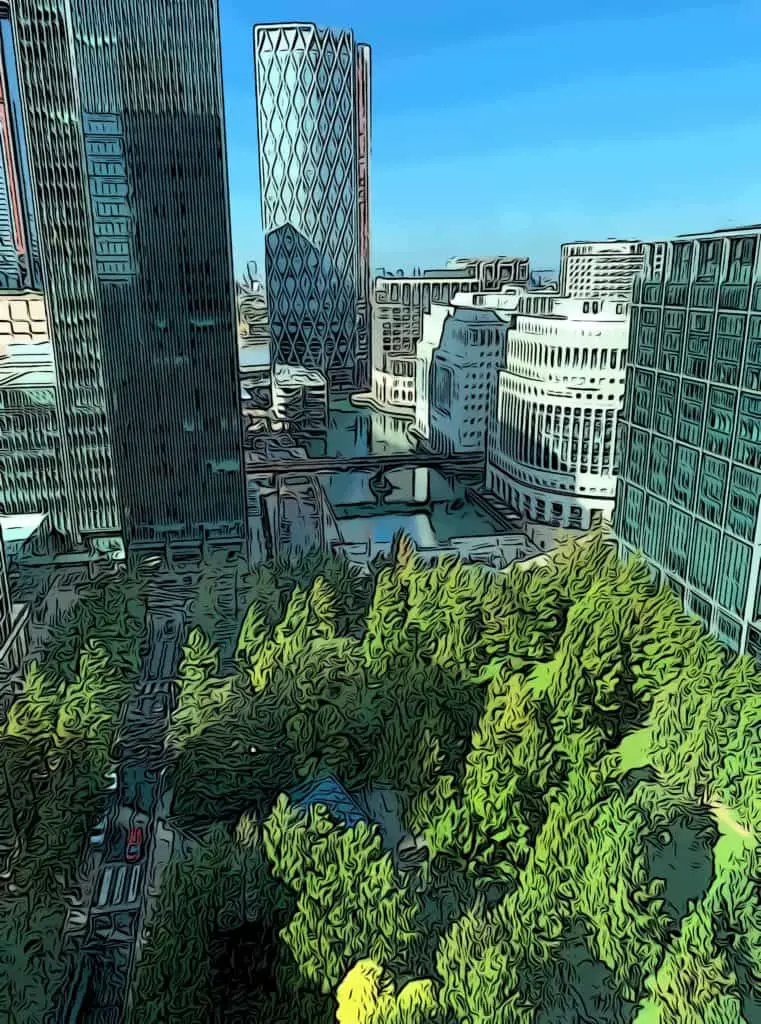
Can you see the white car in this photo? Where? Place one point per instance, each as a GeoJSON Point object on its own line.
{"type": "Point", "coordinates": [98, 836]}
{"type": "Point", "coordinates": [112, 780]}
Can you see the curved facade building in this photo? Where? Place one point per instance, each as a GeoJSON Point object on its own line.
{"type": "Point", "coordinates": [313, 117]}
{"type": "Point", "coordinates": [551, 442]}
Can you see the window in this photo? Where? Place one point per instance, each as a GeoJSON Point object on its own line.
{"type": "Point", "coordinates": [691, 412]}
{"type": "Point", "coordinates": [685, 476]}
{"type": "Point", "coordinates": [708, 260]}
{"type": "Point", "coordinates": [665, 404]}
{"type": "Point", "coordinates": [741, 253]}
{"type": "Point", "coordinates": [681, 263]}
{"type": "Point", "coordinates": [733, 574]}
{"type": "Point", "coordinates": [712, 489]}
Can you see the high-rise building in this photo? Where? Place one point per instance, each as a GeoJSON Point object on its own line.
{"type": "Point", "coordinates": [464, 368]}
{"type": "Point", "coordinates": [689, 447]}
{"type": "Point", "coordinates": [551, 441]}
{"type": "Point", "coordinates": [6, 604]}
{"type": "Point", "coordinates": [19, 250]}
{"type": "Point", "coordinates": [127, 148]}
{"type": "Point", "coordinates": [399, 304]}
{"type": "Point", "coordinates": [313, 117]}
{"type": "Point", "coordinates": [599, 270]}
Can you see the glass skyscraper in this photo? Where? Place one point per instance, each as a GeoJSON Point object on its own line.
{"type": "Point", "coordinates": [127, 146]}
{"type": "Point", "coordinates": [19, 251]}
{"type": "Point", "coordinates": [689, 446]}
{"type": "Point", "coordinates": [313, 117]}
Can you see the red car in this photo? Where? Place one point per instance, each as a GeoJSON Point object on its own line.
{"type": "Point", "coordinates": [134, 849]}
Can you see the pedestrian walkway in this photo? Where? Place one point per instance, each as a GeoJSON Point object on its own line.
{"type": "Point", "coordinates": [119, 886]}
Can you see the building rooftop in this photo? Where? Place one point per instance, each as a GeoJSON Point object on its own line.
{"type": "Point", "coordinates": [17, 530]}
{"type": "Point", "coordinates": [330, 794]}
{"type": "Point", "coordinates": [743, 230]}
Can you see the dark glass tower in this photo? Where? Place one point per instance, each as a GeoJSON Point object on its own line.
{"type": "Point", "coordinates": [154, 278]}
{"type": "Point", "coordinates": [313, 116]}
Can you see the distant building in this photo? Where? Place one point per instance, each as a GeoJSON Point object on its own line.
{"type": "Point", "coordinates": [433, 324]}
{"type": "Point", "coordinates": [300, 398]}
{"type": "Point", "coordinates": [19, 247]}
{"type": "Point", "coordinates": [398, 307]}
{"type": "Point", "coordinates": [399, 304]}
{"type": "Point", "coordinates": [464, 368]}
{"type": "Point", "coordinates": [313, 116]}
{"type": "Point", "coordinates": [690, 439]}
{"type": "Point", "coordinates": [599, 270]}
{"type": "Point", "coordinates": [551, 443]}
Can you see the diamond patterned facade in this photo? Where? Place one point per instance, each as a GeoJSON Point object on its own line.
{"type": "Point", "coordinates": [313, 103]}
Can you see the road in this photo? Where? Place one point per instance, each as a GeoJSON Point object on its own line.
{"type": "Point", "coordinates": [119, 889]}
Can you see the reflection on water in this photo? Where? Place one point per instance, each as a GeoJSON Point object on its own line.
{"type": "Point", "coordinates": [430, 508]}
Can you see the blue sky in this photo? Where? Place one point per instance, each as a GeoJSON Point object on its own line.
{"type": "Point", "coordinates": [507, 128]}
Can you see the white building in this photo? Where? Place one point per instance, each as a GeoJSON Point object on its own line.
{"type": "Point", "coordinates": [433, 324]}
{"type": "Point", "coordinates": [600, 270]}
{"type": "Point", "coordinates": [551, 444]}
{"type": "Point", "coordinates": [464, 367]}
{"type": "Point", "coordinates": [399, 305]}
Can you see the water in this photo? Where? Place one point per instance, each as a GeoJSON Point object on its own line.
{"type": "Point", "coordinates": [432, 509]}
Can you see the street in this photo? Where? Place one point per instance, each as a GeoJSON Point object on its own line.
{"type": "Point", "coordinates": [120, 886]}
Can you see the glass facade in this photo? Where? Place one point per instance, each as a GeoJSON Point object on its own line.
{"type": "Point", "coordinates": [313, 113]}
{"type": "Point", "coordinates": [126, 106]}
{"type": "Point", "coordinates": [690, 445]}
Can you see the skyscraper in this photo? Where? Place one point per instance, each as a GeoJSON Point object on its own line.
{"type": "Point", "coordinates": [313, 117]}
{"type": "Point", "coordinates": [19, 252]}
{"type": "Point", "coordinates": [689, 446]}
{"type": "Point", "coordinates": [125, 105]}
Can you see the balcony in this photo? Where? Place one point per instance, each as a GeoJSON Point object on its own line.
{"type": "Point", "coordinates": [676, 294]}
{"type": "Point", "coordinates": [704, 296]}
{"type": "Point", "coordinates": [734, 296]}
{"type": "Point", "coordinates": [652, 292]}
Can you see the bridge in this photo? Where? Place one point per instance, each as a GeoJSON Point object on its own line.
{"type": "Point", "coordinates": [363, 464]}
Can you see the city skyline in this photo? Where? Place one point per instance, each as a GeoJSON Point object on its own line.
{"type": "Point", "coordinates": [517, 175]}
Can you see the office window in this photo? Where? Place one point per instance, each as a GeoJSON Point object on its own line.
{"type": "Point", "coordinates": [748, 440]}
{"type": "Point", "coordinates": [712, 489]}
{"type": "Point", "coordinates": [727, 351]}
{"type": "Point", "coordinates": [642, 398]}
{"type": "Point", "coordinates": [705, 556]}
{"type": "Point", "coordinates": [691, 412]}
{"type": "Point", "coordinates": [677, 542]}
{"type": "Point", "coordinates": [684, 480]}
{"type": "Point", "coordinates": [697, 346]}
{"type": "Point", "coordinates": [664, 419]}
{"type": "Point", "coordinates": [744, 494]}
{"type": "Point", "coordinates": [752, 375]}
{"type": "Point", "coordinates": [719, 421]}
{"type": "Point", "coordinates": [638, 456]}
{"type": "Point", "coordinates": [709, 255]}
{"type": "Point", "coordinates": [734, 568]}
{"type": "Point", "coordinates": [681, 263]}
{"type": "Point", "coordinates": [632, 513]}
{"type": "Point", "coordinates": [670, 354]}
{"type": "Point", "coordinates": [653, 528]}
{"type": "Point", "coordinates": [660, 465]}
{"type": "Point", "coordinates": [741, 257]}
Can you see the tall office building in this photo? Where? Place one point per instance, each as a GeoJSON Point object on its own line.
{"type": "Point", "coordinates": [6, 604]}
{"type": "Point", "coordinates": [19, 250]}
{"type": "Point", "coordinates": [599, 270]}
{"type": "Point", "coordinates": [127, 147]}
{"type": "Point", "coordinates": [313, 117]}
{"type": "Point", "coordinates": [690, 438]}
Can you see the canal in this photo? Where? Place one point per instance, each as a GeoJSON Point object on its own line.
{"type": "Point", "coordinates": [431, 508]}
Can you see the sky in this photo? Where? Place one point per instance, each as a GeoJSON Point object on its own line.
{"type": "Point", "coordinates": [505, 128]}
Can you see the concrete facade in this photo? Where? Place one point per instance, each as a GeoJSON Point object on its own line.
{"type": "Point", "coordinates": [551, 442]}
{"type": "Point", "coordinates": [599, 270]}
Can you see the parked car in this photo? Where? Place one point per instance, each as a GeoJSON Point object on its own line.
{"type": "Point", "coordinates": [98, 836]}
{"type": "Point", "coordinates": [134, 849]}
{"type": "Point", "coordinates": [112, 780]}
